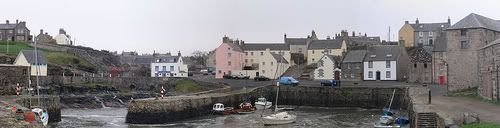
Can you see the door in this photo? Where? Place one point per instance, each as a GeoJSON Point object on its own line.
{"type": "Point", "coordinates": [337, 75]}
{"type": "Point", "coordinates": [441, 80]}
{"type": "Point", "coordinates": [378, 75]}
{"type": "Point", "coordinates": [256, 73]}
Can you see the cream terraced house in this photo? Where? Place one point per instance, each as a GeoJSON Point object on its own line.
{"type": "Point", "coordinates": [255, 51]}
{"type": "Point", "coordinates": [272, 64]}
{"type": "Point", "coordinates": [27, 58]}
{"type": "Point", "coordinates": [317, 48]}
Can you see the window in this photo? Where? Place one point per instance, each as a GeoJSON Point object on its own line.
{"type": "Point", "coordinates": [370, 74]}
{"type": "Point", "coordinates": [157, 68]}
{"type": "Point", "coordinates": [388, 74]}
{"type": "Point", "coordinates": [251, 60]}
{"type": "Point", "coordinates": [312, 51]}
{"type": "Point", "coordinates": [246, 53]}
{"type": "Point", "coordinates": [220, 71]}
{"type": "Point", "coordinates": [246, 60]}
{"type": "Point", "coordinates": [415, 65]}
{"type": "Point", "coordinates": [263, 63]}
{"type": "Point", "coordinates": [261, 53]}
{"type": "Point", "coordinates": [20, 31]}
{"type": "Point", "coordinates": [25, 71]}
{"type": "Point", "coordinates": [463, 32]}
{"type": "Point", "coordinates": [164, 68]}
{"type": "Point", "coordinates": [272, 63]}
{"type": "Point", "coordinates": [228, 48]}
{"type": "Point", "coordinates": [464, 44]}
{"type": "Point", "coordinates": [300, 50]}
{"type": "Point", "coordinates": [421, 34]}
{"type": "Point", "coordinates": [263, 71]}
{"type": "Point", "coordinates": [421, 41]}
{"type": "Point", "coordinates": [313, 59]}
{"type": "Point", "coordinates": [321, 73]}
{"type": "Point", "coordinates": [11, 31]}
{"type": "Point", "coordinates": [171, 68]}
{"type": "Point", "coordinates": [370, 64]}
{"type": "Point", "coordinates": [425, 65]}
{"type": "Point", "coordinates": [229, 63]}
{"type": "Point", "coordinates": [430, 33]}
{"type": "Point", "coordinates": [352, 75]}
{"type": "Point", "coordinates": [431, 41]}
{"type": "Point", "coordinates": [387, 64]}
{"type": "Point", "coordinates": [251, 53]}
{"type": "Point", "coordinates": [228, 54]}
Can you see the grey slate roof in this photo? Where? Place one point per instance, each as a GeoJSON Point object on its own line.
{"type": "Point", "coordinates": [381, 52]}
{"type": "Point", "coordinates": [440, 44]}
{"type": "Point", "coordinates": [354, 56]}
{"type": "Point", "coordinates": [420, 55]}
{"type": "Point", "coordinates": [7, 26]}
{"type": "Point", "coordinates": [325, 44]}
{"type": "Point", "coordinates": [430, 26]}
{"type": "Point", "coordinates": [365, 39]}
{"type": "Point", "coordinates": [477, 21]}
{"type": "Point", "coordinates": [296, 41]}
{"type": "Point", "coordinates": [279, 58]}
{"type": "Point", "coordinates": [154, 59]}
{"type": "Point", "coordinates": [235, 47]}
{"type": "Point", "coordinates": [30, 57]}
{"type": "Point", "coordinates": [495, 42]}
{"type": "Point", "coordinates": [166, 59]}
{"type": "Point", "coordinates": [143, 60]}
{"type": "Point", "coordinates": [264, 46]}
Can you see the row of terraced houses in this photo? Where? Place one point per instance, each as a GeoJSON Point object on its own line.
{"type": "Point", "coordinates": [462, 55]}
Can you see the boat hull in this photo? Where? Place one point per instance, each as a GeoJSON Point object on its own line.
{"type": "Point", "coordinates": [259, 106]}
{"type": "Point", "coordinates": [280, 118]}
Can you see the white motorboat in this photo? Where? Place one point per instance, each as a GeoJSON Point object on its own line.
{"type": "Point", "coordinates": [279, 118]}
{"type": "Point", "coordinates": [42, 116]}
{"type": "Point", "coordinates": [262, 103]}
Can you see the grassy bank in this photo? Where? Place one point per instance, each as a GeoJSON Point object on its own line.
{"type": "Point", "coordinates": [13, 47]}
{"type": "Point", "coordinates": [186, 86]}
{"type": "Point", "coordinates": [482, 125]}
{"type": "Point", "coordinates": [472, 93]}
{"type": "Point", "coordinates": [69, 60]}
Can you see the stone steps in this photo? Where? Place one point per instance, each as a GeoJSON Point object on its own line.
{"type": "Point", "coordinates": [426, 120]}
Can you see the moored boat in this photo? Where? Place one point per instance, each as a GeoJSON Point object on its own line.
{"type": "Point", "coordinates": [279, 118]}
{"type": "Point", "coordinates": [43, 116]}
{"type": "Point", "coordinates": [219, 108]}
{"type": "Point", "coordinates": [245, 108]}
{"type": "Point", "coordinates": [262, 103]}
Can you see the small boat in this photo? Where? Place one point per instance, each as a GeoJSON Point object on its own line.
{"type": "Point", "coordinates": [262, 103]}
{"type": "Point", "coordinates": [245, 108]}
{"type": "Point", "coordinates": [279, 118]}
{"type": "Point", "coordinates": [386, 119]}
{"type": "Point", "coordinates": [219, 108]}
{"type": "Point", "coordinates": [43, 116]}
{"type": "Point", "coordinates": [284, 109]}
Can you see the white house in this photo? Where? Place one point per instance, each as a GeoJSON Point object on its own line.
{"type": "Point", "coordinates": [27, 58]}
{"type": "Point", "coordinates": [63, 38]}
{"type": "Point", "coordinates": [272, 64]}
{"type": "Point", "coordinates": [381, 63]}
{"type": "Point", "coordinates": [328, 67]}
{"type": "Point", "coordinates": [169, 66]}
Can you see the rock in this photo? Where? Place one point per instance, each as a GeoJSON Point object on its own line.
{"type": "Point", "coordinates": [471, 118]}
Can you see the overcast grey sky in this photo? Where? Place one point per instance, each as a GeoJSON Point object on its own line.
{"type": "Point", "coordinates": [188, 25]}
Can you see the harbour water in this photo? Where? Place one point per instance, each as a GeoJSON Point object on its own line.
{"type": "Point", "coordinates": [306, 117]}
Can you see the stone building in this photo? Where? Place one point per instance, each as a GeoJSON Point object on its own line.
{"type": "Point", "coordinates": [421, 33]}
{"type": "Point", "coordinates": [44, 38]}
{"type": "Point", "coordinates": [385, 62]}
{"type": "Point", "coordinates": [464, 39]}
{"type": "Point", "coordinates": [14, 31]}
{"type": "Point", "coordinates": [489, 70]}
{"type": "Point", "coordinates": [439, 65]}
{"type": "Point", "coordinates": [318, 48]}
{"type": "Point", "coordinates": [357, 42]}
{"type": "Point", "coordinates": [11, 76]}
{"type": "Point", "coordinates": [328, 67]}
{"type": "Point", "coordinates": [352, 65]}
{"type": "Point", "coordinates": [420, 64]}
{"type": "Point", "coordinates": [62, 38]}
{"type": "Point", "coordinates": [299, 47]}
{"type": "Point", "coordinates": [35, 60]}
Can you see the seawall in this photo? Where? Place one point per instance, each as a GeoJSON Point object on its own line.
{"type": "Point", "coordinates": [151, 111]}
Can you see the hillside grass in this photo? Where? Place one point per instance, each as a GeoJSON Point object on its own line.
{"type": "Point", "coordinates": [69, 60]}
{"type": "Point", "coordinates": [186, 86]}
{"type": "Point", "coordinates": [482, 125]}
{"type": "Point", "coordinates": [13, 47]}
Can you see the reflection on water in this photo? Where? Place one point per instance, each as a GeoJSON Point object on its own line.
{"type": "Point", "coordinates": [306, 117]}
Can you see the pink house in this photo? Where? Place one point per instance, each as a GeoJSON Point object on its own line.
{"type": "Point", "coordinates": [228, 56]}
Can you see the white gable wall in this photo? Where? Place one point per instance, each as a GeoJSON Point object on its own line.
{"type": "Point", "coordinates": [327, 68]}
{"type": "Point", "coordinates": [380, 66]}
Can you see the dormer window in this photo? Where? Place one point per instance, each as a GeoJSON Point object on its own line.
{"type": "Point", "coordinates": [373, 56]}
{"type": "Point", "coordinates": [421, 26]}
{"type": "Point", "coordinates": [158, 60]}
{"type": "Point", "coordinates": [388, 55]}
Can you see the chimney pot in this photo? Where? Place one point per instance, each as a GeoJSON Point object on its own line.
{"type": "Point", "coordinates": [407, 22]}
{"type": "Point", "coordinates": [17, 21]}
{"type": "Point", "coordinates": [7, 21]}
{"type": "Point", "coordinates": [416, 21]}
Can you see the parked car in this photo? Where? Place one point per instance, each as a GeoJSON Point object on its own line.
{"type": "Point", "coordinates": [288, 81]}
{"type": "Point", "coordinates": [228, 77]}
{"type": "Point", "coordinates": [204, 72]}
{"type": "Point", "coordinates": [241, 76]}
{"type": "Point", "coordinates": [261, 78]}
{"type": "Point", "coordinates": [328, 83]}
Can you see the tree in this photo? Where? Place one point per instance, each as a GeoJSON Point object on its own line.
{"type": "Point", "coordinates": [199, 58]}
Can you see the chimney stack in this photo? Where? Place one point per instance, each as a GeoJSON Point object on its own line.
{"type": "Point", "coordinates": [225, 39]}
{"type": "Point", "coordinates": [327, 37]}
{"type": "Point", "coordinates": [416, 21]}
{"type": "Point", "coordinates": [407, 22]}
{"type": "Point", "coordinates": [449, 20]}
{"type": "Point", "coordinates": [41, 31]}
{"type": "Point", "coordinates": [353, 34]}
{"type": "Point", "coordinates": [7, 22]}
{"type": "Point", "coordinates": [17, 21]}
{"type": "Point", "coordinates": [178, 53]}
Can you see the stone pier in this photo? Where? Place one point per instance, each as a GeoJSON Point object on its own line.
{"type": "Point", "coordinates": [151, 111]}
{"type": "Point", "coordinates": [51, 103]}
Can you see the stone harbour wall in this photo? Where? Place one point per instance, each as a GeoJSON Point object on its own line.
{"type": "Point", "coordinates": [151, 111]}
{"type": "Point", "coordinates": [51, 103]}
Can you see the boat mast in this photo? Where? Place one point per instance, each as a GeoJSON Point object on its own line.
{"type": "Point", "coordinates": [392, 98]}
{"type": "Point", "coordinates": [37, 70]}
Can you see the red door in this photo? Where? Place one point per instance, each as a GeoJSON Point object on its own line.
{"type": "Point", "coordinates": [441, 80]}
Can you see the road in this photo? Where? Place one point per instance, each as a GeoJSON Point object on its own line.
{"type": "Point", "coordinates": [237, 84]}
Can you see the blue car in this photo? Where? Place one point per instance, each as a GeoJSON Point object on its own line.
{"type": "Point", "coordinates": [328, 83]}
{"type": "Point", "coordinates": [288, 81]}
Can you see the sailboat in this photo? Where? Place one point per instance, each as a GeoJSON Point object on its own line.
{"type": "Point", "coordinates": [386, 120]}
{"type": "Point", "coordinates": [281, 117]}
{"type": "Point", "coordinates": [43, 115]}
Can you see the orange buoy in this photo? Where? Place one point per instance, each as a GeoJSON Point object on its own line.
{"type": "Point", "coordinates": [29, 117]}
